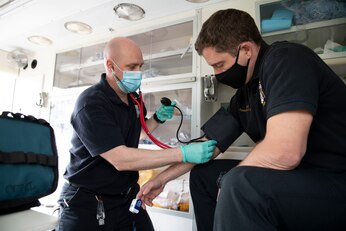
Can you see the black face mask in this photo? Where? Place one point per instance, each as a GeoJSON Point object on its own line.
{"type": "Point", "coordinates": [235, 76]}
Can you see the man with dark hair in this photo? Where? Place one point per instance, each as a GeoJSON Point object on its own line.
{"type": "Point", "coordinates": [293, 106]}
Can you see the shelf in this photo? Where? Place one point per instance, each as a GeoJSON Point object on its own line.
{"type": "Point", "coordinates": [69, 67]}
{"type": "Point", "coordinates": [162, 56]}
{"type": "Point", "coordinates": [338, 65]}
{"type": "Point", "coordinates": [91, 64]}
{"type": "Point", "coordinates": [73, 67]}
{"type": "Point", "coordinates": [334, 55]}
{"type": "Point", "coordinates": [170, 212]}
{"type": "Point", "coordinates": [166, 54]}
{"type": "Point", "coordinates": [309, 26]}
{"type": "Point", "coordinates": [168, 79]}
{"type": "Point", "coordinates": [28, 220]}
{"type": "Point", "coordinates": [323, 37]}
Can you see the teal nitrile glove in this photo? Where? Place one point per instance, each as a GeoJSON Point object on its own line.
{"type": "Point", "coordinates": [164, 113]}
{"type": "Point", "coordinates": [198, 153]}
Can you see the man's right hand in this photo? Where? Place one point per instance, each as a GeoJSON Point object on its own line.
{"type": "Point", "coordinates": [150, 190]}
{"type": "Point", "coordinates": [198, 153]}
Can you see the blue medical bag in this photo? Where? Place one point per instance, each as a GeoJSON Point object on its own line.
{"type": "Point", "coordinates": [28, 161]}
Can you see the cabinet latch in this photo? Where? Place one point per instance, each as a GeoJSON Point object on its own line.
{"type": "Point", "coordinates": [210, 88]}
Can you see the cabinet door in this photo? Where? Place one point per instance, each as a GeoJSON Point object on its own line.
{"type": "Point", "coordinates": [67, 69]}
{"type": "Point", "coordinates": [91, 65]}
{"type": "Point", "coordinates": [166, 51]}
{"type": "Point", "coordinates": [79, 67]}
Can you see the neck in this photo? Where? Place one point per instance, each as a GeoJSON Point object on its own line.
{"type": "Point", "coordinates": [252, 63]}
{"type": "Point", "coordinates": [123, 96]}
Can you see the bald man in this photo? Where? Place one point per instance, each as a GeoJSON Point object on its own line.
{"type": "Point", "coordinates": [104, 159]}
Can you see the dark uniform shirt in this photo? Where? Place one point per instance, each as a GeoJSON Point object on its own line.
{"type": "Point", "coordinates": [101, 121]}
{"type": "Point", "coordinates": [289, 77]}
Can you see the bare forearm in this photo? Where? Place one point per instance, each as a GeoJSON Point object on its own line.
{"type": "Point", "coordinates": [174, 171]}
{"type": "Point", "coordinates": [179, 169]}
{"type": "Point", "coordinates": [285, 142]}
{"type": "Point", "coordinates": [124, 159]}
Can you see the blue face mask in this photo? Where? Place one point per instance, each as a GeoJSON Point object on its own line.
{"type": "Point", "coordinates": [131, 80]}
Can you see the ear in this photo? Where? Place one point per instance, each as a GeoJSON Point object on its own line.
{"type": "Point", "coordinates": [247, 49]}
{"type": "Point", "coordinates": [109, 65]}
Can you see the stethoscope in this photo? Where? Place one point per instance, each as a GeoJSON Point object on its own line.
{"type": "Point", "coordinates": [167, 102]}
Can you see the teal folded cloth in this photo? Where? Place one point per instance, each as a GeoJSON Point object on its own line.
{"type": "Point", "coordinates": [338, 49]}
{"type": "Point", "coordinates": [282, 13]}
{"type": "Point", "coordinates": [269, 25]}
{"type": "Point", "coordinates": [280, 20]}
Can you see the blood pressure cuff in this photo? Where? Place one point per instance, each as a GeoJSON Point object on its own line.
{"type": "Point", "coordinates": [223, 128]}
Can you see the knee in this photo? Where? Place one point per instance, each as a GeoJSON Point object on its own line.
{"type": "Point", "coordinates": [241, 179]}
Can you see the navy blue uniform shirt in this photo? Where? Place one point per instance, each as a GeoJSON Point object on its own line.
{"type": "Point", "coordinates": [288, 77]}
{"type": "Point", "coordinates": [101, 121]}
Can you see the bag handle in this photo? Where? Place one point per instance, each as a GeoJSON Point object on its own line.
{"type": "Point", "coordinates": [28, 157]}
{"type": "Point", "coordinates": [8, 114]}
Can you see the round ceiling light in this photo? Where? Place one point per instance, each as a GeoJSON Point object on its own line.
{"type": "Point", "coordinates": [129, 11]}
{"type": "Point", "coordinates": [40, 40]}
{"type": "Point", "coordinates": [78, 27]}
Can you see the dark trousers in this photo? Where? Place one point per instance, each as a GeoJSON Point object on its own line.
{"type": "Point", "coordinates": [258, 199]}
{"type": "Point", "coordinates": [203, 190]}
{"type": "Point", "coordinates": [78, 210]}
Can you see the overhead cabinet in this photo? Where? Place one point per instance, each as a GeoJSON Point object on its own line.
{"type": "Point", "coordinates": [166, 52]}
{"type": "Point", "coordinates": [320, 25]}
{"type": "Point", "coordinates": [79, 67]}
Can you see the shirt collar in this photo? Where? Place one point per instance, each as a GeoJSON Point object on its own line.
{"type": "Point", "coordinates": [111, 94]}
{"type": "Point", "coordinates": [108, 90]}
{"type": "Point", "coordinates": [264, 47]}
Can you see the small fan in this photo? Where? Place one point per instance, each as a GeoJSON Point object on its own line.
{"type": "Point", "coordinates": [17, 58]}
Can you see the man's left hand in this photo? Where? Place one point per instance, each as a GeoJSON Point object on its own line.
{"type": "Point", "coordinates": [164, 113]}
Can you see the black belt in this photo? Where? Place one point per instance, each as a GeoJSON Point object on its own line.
{"type": "Point", "coordinates": [125, 193]}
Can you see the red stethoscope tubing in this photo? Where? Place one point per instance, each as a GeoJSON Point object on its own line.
{"type": "Point", "coordinates": [144, 125]}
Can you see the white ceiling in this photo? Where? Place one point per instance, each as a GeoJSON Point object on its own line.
{"type": "Point", "coordinates": [24, 18]}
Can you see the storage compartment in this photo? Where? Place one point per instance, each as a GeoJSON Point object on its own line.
{"type": "Point", "coordinates": [167, 131]}
{"type": "Point", "coordinates": [320, 25]}
{"type": "Point", "coordinates": [280, 15]}
{"type": "Point", "coordinates": [166, 52]}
